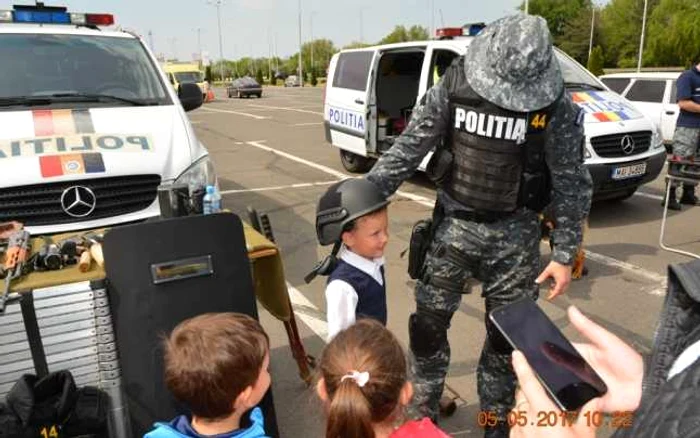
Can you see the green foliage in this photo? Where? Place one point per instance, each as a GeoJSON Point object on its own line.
{"type": "Point", "coordinates": [207, 73]}
{"type": "Point", "coordinates": [621, 24]}
{"type": "Point", "coordinates": [259, 77]}
{"type": "Point", "coordinates": [557, 12]}
{"type": "Point", "coordinates": [401, 34]}
{"type": "Point", "coordinates": [314, 79]}
{"type": "Point", "coordinates": [356, 45]}
{"type": "Point", "coordinates": [673, 34]}
{"type": "Point", "coordinates": [576, 35]}
{"type": "Point", "coordinates": [595, 63]}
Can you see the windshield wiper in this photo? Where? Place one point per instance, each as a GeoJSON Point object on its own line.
{"type": "Point", "coordinates": [583, 85]}
{"type": "Point", "coordinates": [24, 101]}
{"type": "Point", "coordinates": [94, 97]}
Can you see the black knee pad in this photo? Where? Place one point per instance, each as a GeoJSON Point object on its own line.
{"type": "Point", "coordinates": [428, 332]}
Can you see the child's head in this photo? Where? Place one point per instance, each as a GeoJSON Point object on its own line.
{"type": "Point", "coordinates": [217, 364]}
{"type": "Point", "coordinates": [367, 235]}
{"type": "Point", "coordinates": [353, 211]}
{"type": "Point", "coordinates": [363, 380]}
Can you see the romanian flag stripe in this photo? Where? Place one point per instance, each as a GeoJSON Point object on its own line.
{"type": "Point", "coordinates": [43, 123]}
{"type": "Point", "coordinates": [71, 164]}
{"type": "Point", "coordinates": [62, 122]}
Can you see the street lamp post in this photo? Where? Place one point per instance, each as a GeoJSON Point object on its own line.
{"type": "Point", "coordinates": [590, 41]}
{"type": "Point", "coordinates": [311, 32]}
{"type": "Point", "coordinates": [218, 4]}
{"type": "Point", "coordinates": [301, 68]}
{"type": "Point", "coordinates": [641, 39]}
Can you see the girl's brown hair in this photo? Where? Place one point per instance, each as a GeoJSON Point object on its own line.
{"type": "Point", "coordinates": [366, 346]}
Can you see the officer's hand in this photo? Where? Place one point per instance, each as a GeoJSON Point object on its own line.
{"type": "Point", "coordinates": [531, 401]}
{"type": "Point", "coordinates": [560, 275]}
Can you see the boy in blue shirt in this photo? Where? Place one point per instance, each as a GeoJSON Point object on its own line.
{"type": "Point", "coordinates": [687, 134]}
{"type": "Point", "coordinates": [352, 215]}
{"type": "Point", "coordinates": [217, 365]}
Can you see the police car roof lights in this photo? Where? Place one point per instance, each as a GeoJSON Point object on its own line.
{"type": "Point", "coordinates": [41, 14]}
{"type": "Point", "coordinates": [469, 29]}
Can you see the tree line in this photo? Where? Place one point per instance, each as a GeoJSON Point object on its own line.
{"type": "Point", "coordinates": [672, 38]}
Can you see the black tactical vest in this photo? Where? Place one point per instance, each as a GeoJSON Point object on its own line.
{"type": "Point", "coordinates": [499, 163]}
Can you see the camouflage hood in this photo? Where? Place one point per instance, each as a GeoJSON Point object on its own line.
{"type": "Point", "coordinates": [511, 63]}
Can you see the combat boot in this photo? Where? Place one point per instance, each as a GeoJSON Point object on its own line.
{"type": "Point", "coordinates": [688, 197]}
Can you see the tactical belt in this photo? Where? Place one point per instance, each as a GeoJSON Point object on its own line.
{"type": "Point", "coordinates": [481, 216]}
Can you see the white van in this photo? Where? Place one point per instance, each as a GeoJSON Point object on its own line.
{"type": "Point", "coordinates": [90, 125]}
{"type": "Point", "coordinates": [370, 94]}
{"type": "Point", "coordinates": [654, 94]}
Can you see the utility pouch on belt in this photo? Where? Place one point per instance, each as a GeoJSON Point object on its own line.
{"type": "Point", "coordinates": [439, 168]}
{"type": "Point", "coordinates": [421, 235]}
{"type": "Point", "coordinates": [536, 191]}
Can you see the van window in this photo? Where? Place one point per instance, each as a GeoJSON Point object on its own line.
{"type": "Point", "coordinates": [674, 92]}
{"type": "Point", "coordinates": [574, 74]}
{"type": "Point", "coordinates": [647, 91]}
{"type": "Point", "coordinates": [618, 85]}
{"type": "Point", "coordinates": [352, 70]}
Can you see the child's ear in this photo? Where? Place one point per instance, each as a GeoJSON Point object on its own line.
{"type": "Point", "coordinates": [406, 394]}
{"type": "Point", "coordinates": [242, 401]}
{"type": "Point", "coordinates": [348, 238]}
{"type": "Point", "coordinates": [321, 390]}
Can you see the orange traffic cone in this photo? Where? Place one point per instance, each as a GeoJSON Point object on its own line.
{"type": "Point", "coordinates": [210, 95]}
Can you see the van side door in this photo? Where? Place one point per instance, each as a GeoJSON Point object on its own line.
{"type": "Point", "coordinates": [669, 116]}
{"type": "Point", "coordinates": [346, 101]}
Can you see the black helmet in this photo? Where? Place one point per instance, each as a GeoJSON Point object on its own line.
{"type": "Point", "coordinates": [342, 203]}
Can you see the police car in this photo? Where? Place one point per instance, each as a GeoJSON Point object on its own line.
{"type": "Point", "coordinates": [90, 125]}
{"type": "Point", "coordinates": [371, 92]}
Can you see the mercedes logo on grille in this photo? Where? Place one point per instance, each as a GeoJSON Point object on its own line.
{"type": "Point", "coordinates": [78, 201]}
{"type": "Point", "coordinates": [627, 144]}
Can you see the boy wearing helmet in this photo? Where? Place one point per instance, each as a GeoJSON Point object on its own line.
{"type": "Point", "coordinates": [352, 215]}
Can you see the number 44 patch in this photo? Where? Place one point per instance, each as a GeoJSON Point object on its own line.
{"type": "Point", "coordinates": [49, 432]}
{"type": "Point", "coordinates": [538, 121]}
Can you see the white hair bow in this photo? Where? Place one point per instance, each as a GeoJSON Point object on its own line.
{"type": "Point", "coordinates": [361, 378]}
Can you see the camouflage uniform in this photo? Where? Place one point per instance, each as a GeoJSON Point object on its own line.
{"type": "Point", "coordinates": [503, 255]}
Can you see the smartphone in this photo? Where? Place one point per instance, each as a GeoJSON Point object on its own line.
{"type": "Point", "coordinates": [570, 381]}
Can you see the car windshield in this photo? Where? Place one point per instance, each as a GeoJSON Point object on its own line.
{"type": "Point", "coordinates": [61, 70]}
{"type": "Point", "coordinates": [576, 76]}
{"type": "Point", "coordinates": [188, 76]}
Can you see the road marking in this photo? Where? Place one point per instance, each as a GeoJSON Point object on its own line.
{"type": "Point", "coordinates": [290, 186]}
{"type": "Point", "coordinates": [308, 124]}
{"type": "Point", "coordinates": [308, 313]}
{"type": "Point", "coordinates": [649, 195]}
{"type": "Point", "coordinates": [254, 116]}
{"type": "Point", "coordinates": [658, 280]}
{"type": "Point", "coordinates": [283, 108]}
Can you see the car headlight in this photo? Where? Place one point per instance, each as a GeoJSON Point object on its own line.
{"type": "Point", "coordinates": [656, 139]}
{"type": "Point", "coordinates": [586, 152]}
{"type": "Point", "coordinates": [199, 175]}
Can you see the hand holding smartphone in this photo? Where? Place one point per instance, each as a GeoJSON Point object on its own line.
{"type": "Point", "coordinates": [570, 381]}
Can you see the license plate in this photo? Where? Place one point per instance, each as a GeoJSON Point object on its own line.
{"type": "Point", "coordinates": [629, 171]}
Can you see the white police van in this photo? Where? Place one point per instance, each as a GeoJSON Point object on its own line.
{"type": "Point", "coordinates": [371, 91]}
{"type": "Point", "coordinates": [90, 125]}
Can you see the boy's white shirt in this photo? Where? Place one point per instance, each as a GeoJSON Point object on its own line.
{"type": "Point", "coordinates": [341, 298]}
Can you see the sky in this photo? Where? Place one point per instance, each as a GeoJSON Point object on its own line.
{"type": "Point", "coordinates": [252, 27]}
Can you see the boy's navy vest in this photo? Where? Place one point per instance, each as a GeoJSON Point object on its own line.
{"type": "Point", "coordinates": [371, 296]}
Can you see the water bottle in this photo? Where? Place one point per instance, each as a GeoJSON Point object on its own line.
{"type": "Point", "coordinates": [212, 201]}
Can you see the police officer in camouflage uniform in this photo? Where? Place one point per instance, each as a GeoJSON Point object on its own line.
{"type": "Point", "coordinates": [516, 140]}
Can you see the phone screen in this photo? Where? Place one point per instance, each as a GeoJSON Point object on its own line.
{"type": "Point", "coordinates": [569, 379]}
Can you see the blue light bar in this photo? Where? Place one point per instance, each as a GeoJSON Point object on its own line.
{"type": "Point", "coordinates": [41, 17]}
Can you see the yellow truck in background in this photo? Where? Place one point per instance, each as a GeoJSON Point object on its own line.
{"type": "Point", "coordinates": [179, 73]}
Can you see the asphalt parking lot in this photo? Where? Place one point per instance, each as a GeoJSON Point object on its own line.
{"type": "Point", "coordinates": [271, 154]}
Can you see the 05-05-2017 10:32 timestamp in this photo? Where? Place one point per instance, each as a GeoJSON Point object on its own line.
{"type": "Point", "coordinates": [616, 420]}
